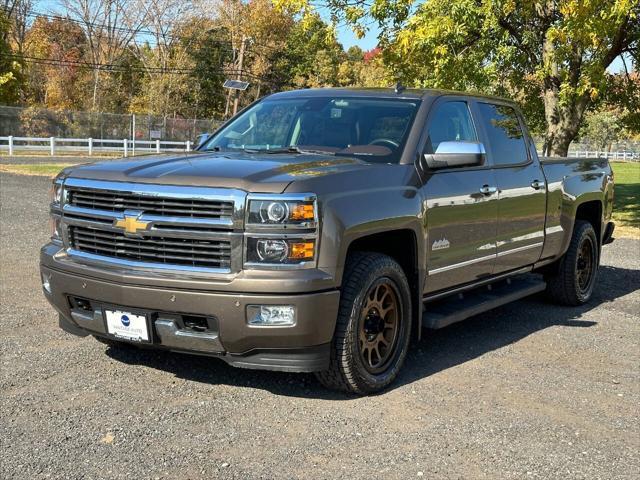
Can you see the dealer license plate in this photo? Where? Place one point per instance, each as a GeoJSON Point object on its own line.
{"type": "Point", "coordinates": [127, 325]}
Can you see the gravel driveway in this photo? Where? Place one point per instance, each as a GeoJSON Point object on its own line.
{"type": "Point", "coordinates": [530, 390]}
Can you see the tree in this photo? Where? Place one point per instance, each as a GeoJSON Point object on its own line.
{"type": "Point", "coordinates": [58, 83]}
{"type": "Point", "coordinates": [11, 78]}
{"type": "Point", "coordinates": [110, 27]}
{"type": "Point", "coordinates": [602, 129]}
{"type": "Point", "coordinates": [310, 57]}
{"type": "Point", "coordinates": [559, 49]}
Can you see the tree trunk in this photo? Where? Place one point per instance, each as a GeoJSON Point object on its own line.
{"type": "Point", "coordinates": [96, 79]}
{"type": "Point", "coordinates": [564, 117]}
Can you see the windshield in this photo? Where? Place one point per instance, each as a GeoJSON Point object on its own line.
{"type": "Point", "coordinates": [372, 129]}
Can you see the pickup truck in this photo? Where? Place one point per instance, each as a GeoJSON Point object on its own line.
{"type": "Point", "coordinates": [325, 231]}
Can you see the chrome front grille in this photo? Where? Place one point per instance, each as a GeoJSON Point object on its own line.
{"type": "Point", "coordinates": [157, 205]}
{"type": "Point", "coordinates": [163, 250]}
{"type": "Point", "coordinates": [181, 228]}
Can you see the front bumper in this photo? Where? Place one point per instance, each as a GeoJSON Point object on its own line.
{"type": "Point", "coordinates": [303, 347]}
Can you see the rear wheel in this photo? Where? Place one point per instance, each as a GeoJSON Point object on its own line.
{"type": "Point", "coordinates": [573, 281]}
{"type": "Point", "coordinates": [373, 327]}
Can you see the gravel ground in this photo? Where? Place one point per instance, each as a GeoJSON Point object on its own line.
{"type": "Point", "coordinates": [529, 390]}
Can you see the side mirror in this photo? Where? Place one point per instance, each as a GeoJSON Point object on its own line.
{"type": "Point", "coordinates": [456, 154]}
{"type": "Point", "coordinates": [202, 138]}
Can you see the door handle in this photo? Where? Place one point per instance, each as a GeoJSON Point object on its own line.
{"type": "Point", "coordinates": [537, 184]}
{"type": "Point", "coordinates": [487, 190]}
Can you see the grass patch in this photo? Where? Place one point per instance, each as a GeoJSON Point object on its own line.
{"type": "Point", "coordinates": [626, 210]}
{"type": "Point", "coordinates": [40, 169]}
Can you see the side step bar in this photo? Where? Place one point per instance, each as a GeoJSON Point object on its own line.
{"type": "Point", "coordinates": [455, 308]}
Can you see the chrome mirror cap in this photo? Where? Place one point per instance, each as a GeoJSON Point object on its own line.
{"type": "Point", "coordinates": [456, 154]}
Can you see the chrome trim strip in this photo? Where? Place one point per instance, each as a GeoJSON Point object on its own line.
{"type": "Point", "coordinates": [156, 190]}
{"type": "Point", "coordinates": [461, 264]}
{"type": "Point", "coordinates": [482, 259]}
{"type": "Point", "coordinates": [183, 192]}
{"type": "Point", "coordinates": [154, 219]}
{"type": "Point", "coordinates": [94, 260]}
{"type": "Point", "coordinates": [520, 249]}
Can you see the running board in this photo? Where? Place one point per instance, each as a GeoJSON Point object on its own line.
{"type": "Point", "coordinates": [458, 307]}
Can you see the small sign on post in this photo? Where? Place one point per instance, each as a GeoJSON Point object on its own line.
{"type": "Point", "coordinates": [236, 84]}
{"type": "Point", "coordinates": [153, 134]}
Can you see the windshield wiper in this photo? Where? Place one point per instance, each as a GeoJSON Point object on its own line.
{"type": "Point", "coordinates": [295, 149]}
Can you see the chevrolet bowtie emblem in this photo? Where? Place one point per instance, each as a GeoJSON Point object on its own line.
{"type": "Point", "coordinates": [131, 223]}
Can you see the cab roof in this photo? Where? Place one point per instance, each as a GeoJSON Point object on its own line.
{"type": "Point", "coordinates": [405, 93]}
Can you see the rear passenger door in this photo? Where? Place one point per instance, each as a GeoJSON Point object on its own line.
{"type": "Point", "coordinates": [461, 220]}
{"type": "Point", "coordinates": [521, 186]}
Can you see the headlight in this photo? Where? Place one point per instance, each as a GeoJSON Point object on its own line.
{"type": "Point", "coordinates": [56, 196]}
{"type": "Point", "coordinates": [280, 251]}
{"type": "Point", "coordinates": [299, 211]}
{"type": "Point", "coordinates": [56, 228]}
{"type": "Point", "coordinates": [55, 193]}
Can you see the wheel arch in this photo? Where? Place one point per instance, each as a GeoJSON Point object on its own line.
{"type": "Point", "coordinates": [591, 211]}
{"type": "Point", "coordinates": [402, 245]}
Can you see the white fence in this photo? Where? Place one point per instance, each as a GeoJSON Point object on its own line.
{"type": "Point", "coordinates": [621, 156]}
{"type": "Point", "coordinates": [90, 146]}
{"type": "Point", "coordinates": [127, 147]}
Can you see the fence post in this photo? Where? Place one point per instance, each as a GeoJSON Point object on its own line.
{"type": "Point", "coordinates": [124, 146]}
{"type": "Point", "coordinates": [157, 146]}
{"type": "Point", "coordinates": [10, 145]}
{"type": "Point", "coordinates": [52, 142]}
{"type": "Point", "coordinates": [188, 146]}
{"type": "Point", "coordinates": [90, 146]}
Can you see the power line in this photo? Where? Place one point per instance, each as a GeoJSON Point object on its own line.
{"type": "Point", "coordinates": [119, 68]}
{"type": "Point", "coordinates": [35, 14]}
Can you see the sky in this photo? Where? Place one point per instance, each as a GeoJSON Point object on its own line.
{"type": "Point", "coordinates": [348, 39]}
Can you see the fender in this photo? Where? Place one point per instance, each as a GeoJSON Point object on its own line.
{"type": "Point", "coordinates": [588, 180]}
{"type": "Point", "coordinates": [388, 199]}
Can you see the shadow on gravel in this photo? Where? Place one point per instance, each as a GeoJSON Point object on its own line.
{"type": "Point", "coordinates": [437, 351]}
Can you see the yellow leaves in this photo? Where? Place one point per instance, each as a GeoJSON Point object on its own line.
{"type": "Point", "coordinates": [6, 78]}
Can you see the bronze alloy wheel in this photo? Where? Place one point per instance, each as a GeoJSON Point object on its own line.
{"type": "Point", "coordinates": [373, 328]}
{"type": "Point", "coordinates": [379, 325]}
{"type": "Point", "coordinates": [585, 264]}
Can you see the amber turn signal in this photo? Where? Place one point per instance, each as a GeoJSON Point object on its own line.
{"type": "Point", "coordinates": [301, 250]}
{"type": "Point", "coordinates": [302, 212]}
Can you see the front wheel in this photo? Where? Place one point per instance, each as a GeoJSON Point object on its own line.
{"type": "Point", "coordinates": [573, 281]}
{"type": "Point", "coordinates": [373, 327]}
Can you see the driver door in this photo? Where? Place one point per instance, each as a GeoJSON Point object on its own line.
{"type": "Point", "coordinates": [461, 220]}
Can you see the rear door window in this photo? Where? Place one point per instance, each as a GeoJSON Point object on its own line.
{"type": "Point", "coordinates": [506, 138]}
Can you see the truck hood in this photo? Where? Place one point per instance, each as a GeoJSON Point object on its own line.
{"type": "Point", "coordinates": [264, 173]}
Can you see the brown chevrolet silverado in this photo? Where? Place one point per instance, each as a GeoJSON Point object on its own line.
{"type": "Point", "coordinates": [321, 230]}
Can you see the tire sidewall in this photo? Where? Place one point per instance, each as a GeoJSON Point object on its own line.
{"type": "Point", "coordinates": [586, 232]}
{"type": "Point", "coordinates": [369, 381]}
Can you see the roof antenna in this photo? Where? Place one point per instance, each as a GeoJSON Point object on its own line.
{"type": "Point", "coordinates": [399, 88]}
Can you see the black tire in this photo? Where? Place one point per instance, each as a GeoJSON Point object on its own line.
{"type": "Point", "coordinates": [351, 368]}
{"type": "Point", "coordinates": [569, 284]}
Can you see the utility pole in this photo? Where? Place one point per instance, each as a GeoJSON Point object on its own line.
{"type": "Point", "coordinates": [236, 99]}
